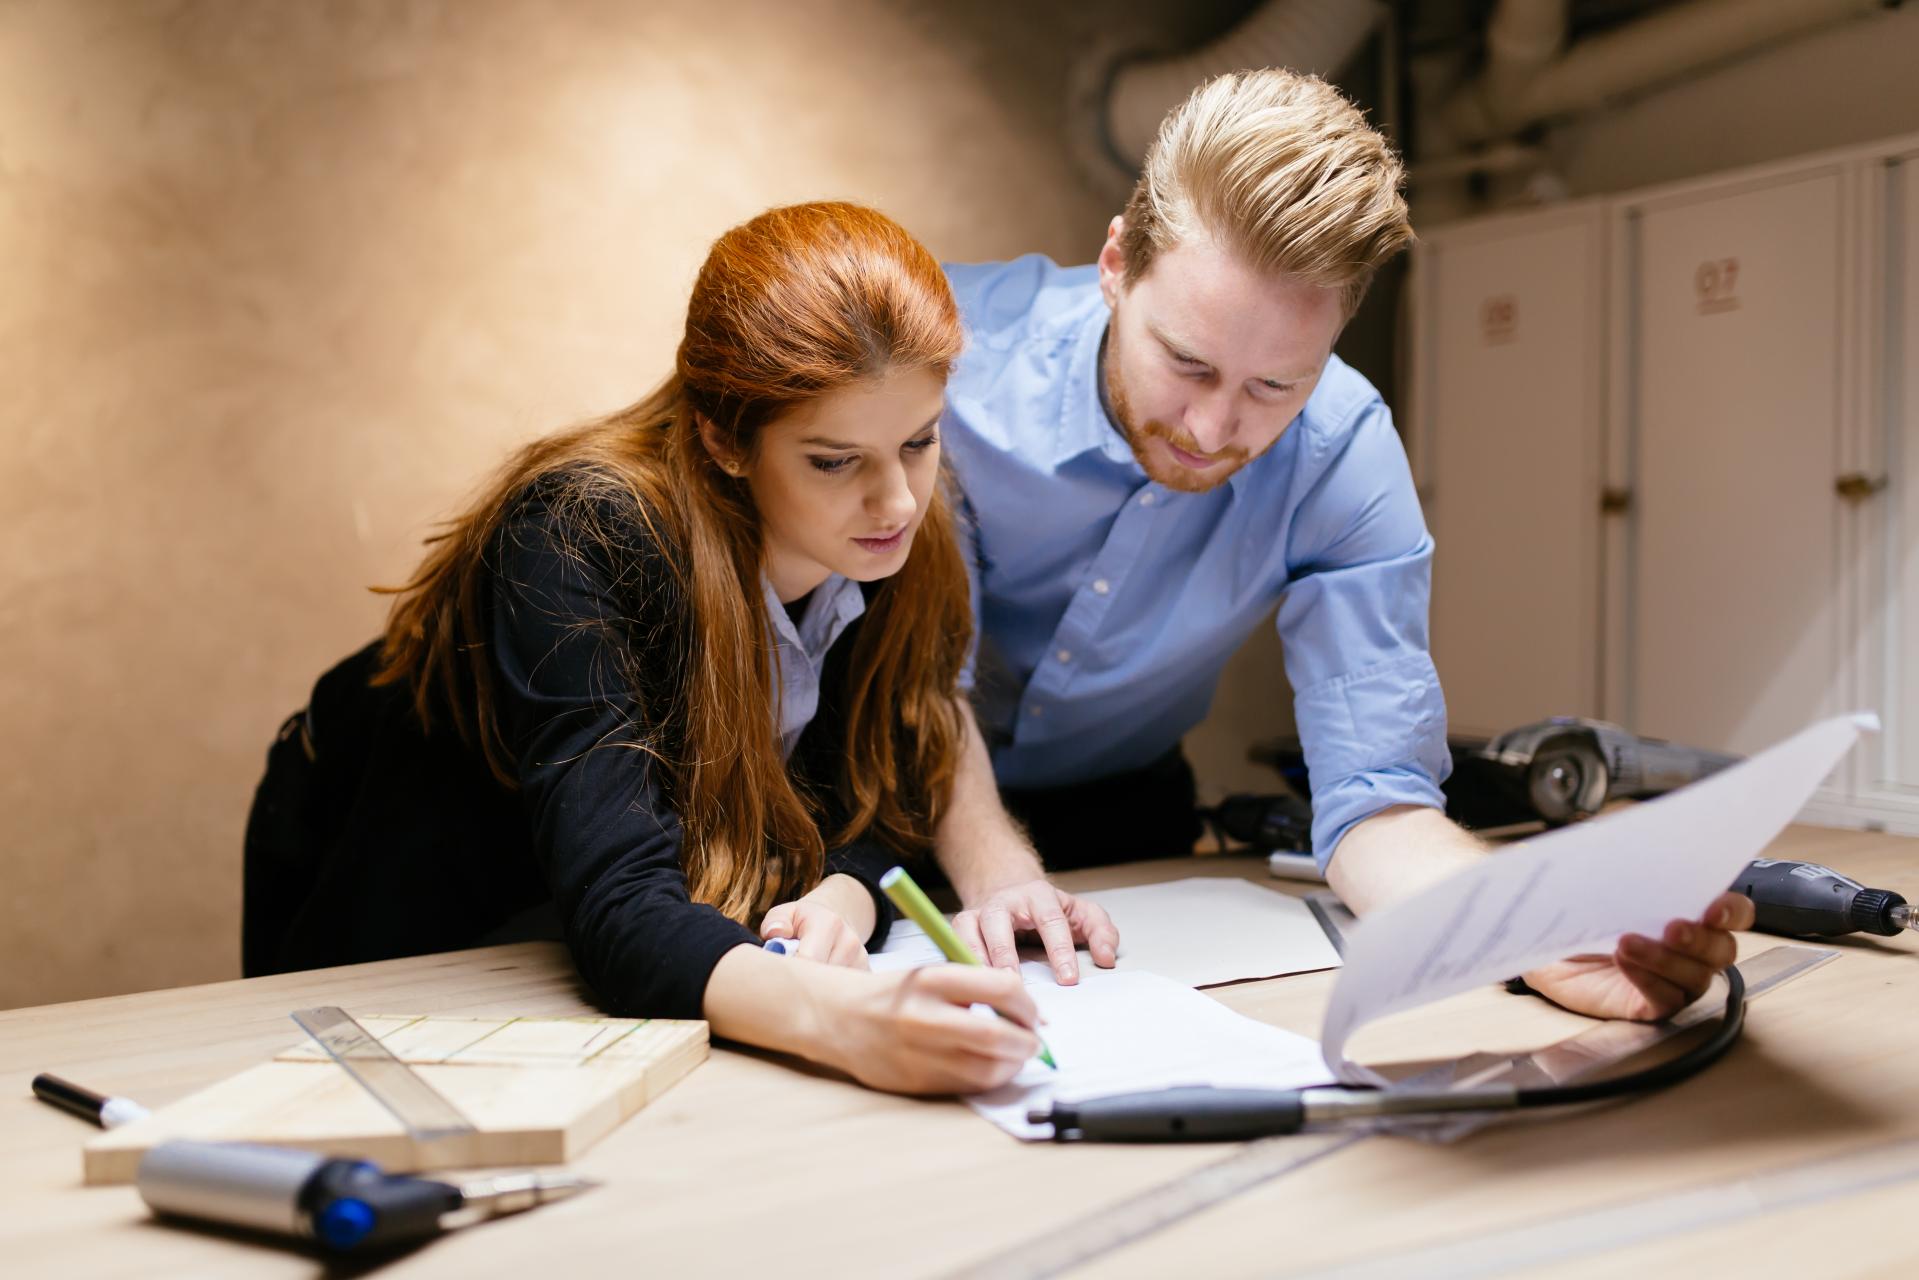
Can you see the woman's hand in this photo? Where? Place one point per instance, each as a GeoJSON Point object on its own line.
{"type": "Point", "coordinates": [1647, 980]}
{"type": "Point", "coordinates": [914, 1031]}
{"type": "Point", "coordinates": [1038, 906]}
{"type": "Point", "coordinates": [822, 922]}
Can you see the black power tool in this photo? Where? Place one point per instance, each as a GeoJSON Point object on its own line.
{"type": "Point", "coordinates": [1806, 900]}
{"type": "Point", "coordinates": [1556, 771]}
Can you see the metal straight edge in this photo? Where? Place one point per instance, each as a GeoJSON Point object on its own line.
{"type": "Point", "coordinates": [1630, 1222]}
{"type": "Point", "coordinates": [422, 1109]}
{"type": "Point", "coordinates": [1110, 1227]}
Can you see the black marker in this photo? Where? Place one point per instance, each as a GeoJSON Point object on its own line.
{"type": "Point", "coordinates": [108, 1113]}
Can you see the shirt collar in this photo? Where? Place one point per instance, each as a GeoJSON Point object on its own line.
{"type": "Point", "coordinates": [833, 606]}
{"type": "Point", "coordinates": [1083, 423]}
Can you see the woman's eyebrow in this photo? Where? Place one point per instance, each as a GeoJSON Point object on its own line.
{"type": "Point", "coordinates": [824, 443]}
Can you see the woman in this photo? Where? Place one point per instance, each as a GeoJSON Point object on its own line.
{"type": "Point", "coordinates": [683, 669]}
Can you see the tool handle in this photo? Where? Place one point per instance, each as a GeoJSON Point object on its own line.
{"type": "Point", "coordinates": [1194, 1113]}
{"type": "Point", "coordinates": [353, 1204]}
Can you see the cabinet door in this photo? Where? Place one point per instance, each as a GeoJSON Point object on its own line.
{"type": "Point", "coordinates": [1901, 392]}
{"type": "Point", "coordinates": [1735, 408]}
{"type": "Point", "coordinates": [1511, 349]}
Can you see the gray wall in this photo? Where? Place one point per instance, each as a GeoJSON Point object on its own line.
{"type": "Point", "coordinates": [285, 280]}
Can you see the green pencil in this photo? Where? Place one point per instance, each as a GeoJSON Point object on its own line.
{"type": "Point", "coordinates": [917, 907]}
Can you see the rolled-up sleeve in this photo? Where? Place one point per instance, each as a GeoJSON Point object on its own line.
{"type": "Point", "coordinates": [606, 838]}
{"type": "Point", "coordinates": [1353, 624]}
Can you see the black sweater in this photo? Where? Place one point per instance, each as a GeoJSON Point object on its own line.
{"type": "Point", "coordinates": [372, 837]}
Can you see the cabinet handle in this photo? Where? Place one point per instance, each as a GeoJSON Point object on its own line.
{"type": "Point", "coordinates": [1856, 486]}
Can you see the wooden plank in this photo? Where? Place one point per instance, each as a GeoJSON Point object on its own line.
{"type": "Point", "coordinates": [538, 1091]}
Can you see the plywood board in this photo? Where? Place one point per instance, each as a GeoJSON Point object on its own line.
{"type": "Point", "coordinates": [538, 1091]}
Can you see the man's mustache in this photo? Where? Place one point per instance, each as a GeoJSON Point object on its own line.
{"type": "Point", "coordinates": [1186, 444]}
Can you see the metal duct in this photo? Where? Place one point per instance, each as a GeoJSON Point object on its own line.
{"type": "Point", "coordinates": [1319, 36]}
{"type": "Point", "coordinates": [1654, 49]}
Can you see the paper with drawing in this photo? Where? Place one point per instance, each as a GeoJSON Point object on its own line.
{"type": "Point", "coordinates": [1119, 1031]}
{"type": "Point", "coordinates": [1579, 888]}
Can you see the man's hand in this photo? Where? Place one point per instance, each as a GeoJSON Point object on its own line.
{"type": "Point", "coordinates": [1038, 906]}
{"type": "Point", "coordinates": [1647, 980]}
{"type": "Point", "coordinates": [1401, 850]}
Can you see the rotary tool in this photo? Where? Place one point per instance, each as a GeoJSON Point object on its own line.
{"type": "Point", "coordinates": [1806, 900]}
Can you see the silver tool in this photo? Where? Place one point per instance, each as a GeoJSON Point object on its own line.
{"type": "Point", "coordinates": [1626, 1223]}
{"type": "Point", "coordinates": [344, 1205]}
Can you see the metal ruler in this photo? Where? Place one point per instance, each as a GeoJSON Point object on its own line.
{"type": "Point", "coordinates": [1631, 1222]}
{"type": "Point", "coordinates": [1255, 1163]}
{"type": "Point", "coordinates": [424, 1110]}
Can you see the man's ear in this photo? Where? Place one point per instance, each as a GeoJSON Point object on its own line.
{"type": "Point", "coordinates": [1112, 262]}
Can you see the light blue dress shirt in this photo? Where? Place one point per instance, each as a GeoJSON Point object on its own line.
{"type": "Point", "coordinates": [799, 651]}
{"type": "Point", "coordinates": [1108, 605]}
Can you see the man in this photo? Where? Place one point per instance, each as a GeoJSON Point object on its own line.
{"type": "Point", "coordinates": [1156, 449]}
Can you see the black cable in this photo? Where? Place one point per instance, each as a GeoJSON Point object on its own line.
{"type": "Point", "coordinates": [1686, 1065]}
{"type": "Point", "coordinates": [1201, 1113]}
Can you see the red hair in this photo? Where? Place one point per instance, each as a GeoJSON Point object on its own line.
{"type": "Point", "coordinates": [791, 306]}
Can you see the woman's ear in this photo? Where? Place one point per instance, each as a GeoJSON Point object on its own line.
{"type": "Point", "coordinates": [727, 460]}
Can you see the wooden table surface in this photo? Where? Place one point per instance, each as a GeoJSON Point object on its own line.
{"type": "Point", "coordinates": [759, 1166]}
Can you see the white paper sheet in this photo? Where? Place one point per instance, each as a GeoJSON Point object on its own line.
{"type": "Point", "coordinates": [1207, 930]}
{"type": "Point", "coordinates": [907, 947]}
{"type": "Point", "coordinates": [1579, 888]}
{"type": "Point", "coordinates": [1120, 1031]}
{"type": "Point", "coordinates": [1199, 931]}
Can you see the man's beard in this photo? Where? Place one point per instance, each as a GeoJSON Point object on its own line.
{"type": "Point", "coordinates": [1167, 472]}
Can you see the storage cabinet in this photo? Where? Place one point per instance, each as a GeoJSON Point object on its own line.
{"type": "Point", "coordinates": [1669, 443]}
{"type": "Point", "coordinates": [1508, 460]}
{"type": "Point", "coordinates": [1733, 414]}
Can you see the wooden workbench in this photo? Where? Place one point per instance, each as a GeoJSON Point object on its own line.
{"type": "Point", "coordinates": [759, 1166]}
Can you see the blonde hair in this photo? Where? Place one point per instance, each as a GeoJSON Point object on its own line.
{"type": "Point", "coordinates": [1281, 170]}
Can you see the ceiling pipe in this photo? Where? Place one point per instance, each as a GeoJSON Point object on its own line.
{"type": "Point", "coordinates": [1501, 157]}
{"type": "Point", "coordinates": [1127, 95]}
{"type": "Point", "coordinates": [1649, 52]}
{"type": "Point", "coordinates": [1522, 37]}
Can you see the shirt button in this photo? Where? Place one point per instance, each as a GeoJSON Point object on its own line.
{"type": "Point", "coordinates": [1036, 710]}
{"type": "Point", "coordinates": [1101, 586]}
{"type": "Point", "coordinates": [1064, 655]}
{"type": "Point", "coordinates": [1147, 499]}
